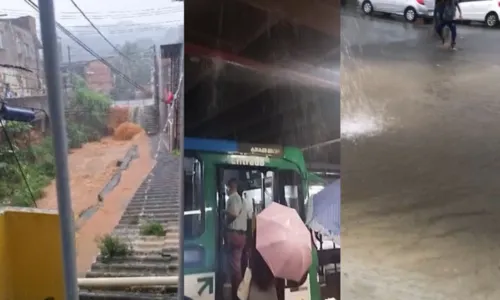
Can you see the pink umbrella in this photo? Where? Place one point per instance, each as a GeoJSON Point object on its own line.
{"type": "Point", "coordinates": [284, 241]}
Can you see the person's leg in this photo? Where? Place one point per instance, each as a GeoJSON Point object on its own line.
{"type": "Point", "coordinates": [439, 30]}
{"type": "Point", "coordinates": [236, 244]}
{"type": "Point", "coordinates": [436, 25]}
{"type": "Point", "coordinates": [453, 29]}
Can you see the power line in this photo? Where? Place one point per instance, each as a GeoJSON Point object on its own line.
{"type": "Point", "coordinates": [109, 12]}
{"type": "Point", "coordinates": [107, 15]}
{"type": "Point", "coordinates": [142, 53]}
{"type": "Point", "coordinates": [99, 32]}
{"type": "Point", "coordinates": [122, 32]}
{"type": "Point", "coordinates": [128, 24]}
{"type": "Point", "coordinates": [81, 44]}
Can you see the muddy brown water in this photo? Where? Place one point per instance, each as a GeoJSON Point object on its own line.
{"type": "Point", "coordinates": [421, 169]}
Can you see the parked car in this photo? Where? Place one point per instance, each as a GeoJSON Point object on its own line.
{"type": "Point", "coordinates": [485, 11]}
{"type": "Point", "coordinates": [411, 10]}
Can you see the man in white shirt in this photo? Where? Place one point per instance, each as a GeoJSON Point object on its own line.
{"type": "Point", "coordinates": [236, 216]}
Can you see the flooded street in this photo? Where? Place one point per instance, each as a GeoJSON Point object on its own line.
{"type": "Point", "coordinates": [91, 168]}
{"type": "Point", "coordinates": [421, 201]}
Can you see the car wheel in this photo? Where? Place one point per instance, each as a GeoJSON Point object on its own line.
{"type": "Point", "coordinates": [491, 20]}
{"type": "Point", "coordinates": [410, 14]}
{"type": "Point", "coordinates": [367, 7]}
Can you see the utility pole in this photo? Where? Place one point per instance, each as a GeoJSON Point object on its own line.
{"type": "Point", "coordinates": [156, 87]}
{"type": "Point", "coordinates": [60, 143]}
{"type": "Point", "coordinates": [70, 69]}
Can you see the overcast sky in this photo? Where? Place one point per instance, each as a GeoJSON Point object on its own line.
{"type": "Point", "coordinates": [104, 12]}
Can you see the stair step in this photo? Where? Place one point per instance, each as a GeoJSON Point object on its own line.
{"type": "Point", "coordinates": [141, 258]}
{"type": "Point", "coordinates": [123, 267]}
{"type": "Point", "coordinates": [152, 210]}
{"type": "Point", "coordinates": [129, 273]}
{"type": "Point", "coordinates": [116, 295]}
{"type": "Point", "coordinates": [148, 214]}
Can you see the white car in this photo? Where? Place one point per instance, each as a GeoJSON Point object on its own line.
{"type": "Point", "coordinates": [410, 9]}
{"type": "Point", "coordinates": [486, 11]}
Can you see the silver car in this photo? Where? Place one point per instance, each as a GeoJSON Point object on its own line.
{"type": "Point", "coordinates": [410, 9]}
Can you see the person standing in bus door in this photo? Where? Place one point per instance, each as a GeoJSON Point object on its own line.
{"type": "Point", "coordinates": [235, 236]}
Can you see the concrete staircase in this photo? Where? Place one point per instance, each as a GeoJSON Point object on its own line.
{"type": "Point", "coordinates": [149, 119]}
{"type": "Point", "coordinates": [157, 199]}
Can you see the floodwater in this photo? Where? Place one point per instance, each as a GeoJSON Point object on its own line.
{"type": "Point", "coordinates": [420, 163]}
{"type": "Point", "coordinates": [91, 167]}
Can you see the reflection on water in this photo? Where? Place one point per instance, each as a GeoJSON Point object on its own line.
{"type": "Point", "coordinates": [420, 198]}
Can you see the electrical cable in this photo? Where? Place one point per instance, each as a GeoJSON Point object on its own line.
{"type": "Point", "coordinates": [99, 32]}
{"type": "Point", "coordinates": [81, 44]}
{"type": "Point", "coordinates": [128, 25]}
{"type": "Point", "coordinates": [25, 179]}
{"type": "Point", "coordinates": [154, 12]}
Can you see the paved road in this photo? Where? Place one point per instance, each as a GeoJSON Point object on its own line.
{"type": "Point", "coordinates": [420, 163]}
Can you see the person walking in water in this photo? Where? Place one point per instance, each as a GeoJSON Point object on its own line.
{"type": "Point", "coordinates": [236, 216]}
{"type": "Point", "coordinates": [438, 14]}
{"type": "Point", "coordinates": [450, 8]}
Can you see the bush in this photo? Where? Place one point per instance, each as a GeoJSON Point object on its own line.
{"type": "Point", "coordinates": [88, 123]}
{"type": "Point", "coordinates": [77, 135]}
{"type": "Point", "coordinates": [112, 246]}
{"type": "Point", "coordinates": [152, 229]}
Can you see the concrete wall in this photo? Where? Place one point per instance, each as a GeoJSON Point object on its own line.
{"type": "Point", "coordinates": [40, 102]}
{"type": "Point", "coordinates": [30, 249]}
{"type": "Point", "coordinates": [19, 46]}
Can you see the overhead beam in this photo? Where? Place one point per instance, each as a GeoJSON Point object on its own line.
{"type": "Point", "coordinates": [270, 23]}
{"type": "Point", "coordinates": [314, 14]}
{"type": "Point", "coordinates": [245, 124]}
{"type": "Point", "coordinates": [203, 71]}
{"type": "Point", "coordinates": [208, 39]}
{"type": "Point", "coordinates": [236, 100]}
{"type": "Point", "coordinates": [276, 71]}
{"type": "Point", "coordinates": [306, 129]}
{"type": "Point", "coordinates": [323, 166]}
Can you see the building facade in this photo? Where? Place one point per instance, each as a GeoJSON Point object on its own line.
{"type": "Point", "coordinates": [22, 67]}
{"type": "Point", "coordinates": [98, 77]}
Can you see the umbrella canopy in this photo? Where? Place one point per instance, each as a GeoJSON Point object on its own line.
{"type": "Point", "coordinates": [326, 211]}
{"type": "Point", "coordinates": [284, 241]}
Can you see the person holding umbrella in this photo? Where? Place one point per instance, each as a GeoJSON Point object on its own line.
{"type": "Point", "coordinates": [282, 247]}
{"type": "Point", "coordinates": [261, 282]}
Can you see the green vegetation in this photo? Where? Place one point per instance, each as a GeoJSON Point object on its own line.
{"type": "Point", "coordinates": [176, 152]}
{"type": "Point", "coordinates": [111, 247]}
{"type": "Point", "coordinates": [86, 121]}
{"type": "Point", "coordinates": [137, 68]}
{"type": "Point", "coordinates": [152, 229]}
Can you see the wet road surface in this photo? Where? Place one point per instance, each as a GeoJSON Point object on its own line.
{"type": "Point", "coordinates": [420, 163]}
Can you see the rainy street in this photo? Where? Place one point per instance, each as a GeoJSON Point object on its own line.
{"type": "Point", "coordinates": [420, 162]}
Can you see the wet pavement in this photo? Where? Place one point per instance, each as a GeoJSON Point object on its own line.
{"type": "Point", "coordinates": [420, 162]}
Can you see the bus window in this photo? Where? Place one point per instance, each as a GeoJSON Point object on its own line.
{"type": "Point", "coordinates": [194, 208]}
{"type": "Point", "coordinates": [291, 190]}
{"type": "Point", "coordinates": [255, 187]}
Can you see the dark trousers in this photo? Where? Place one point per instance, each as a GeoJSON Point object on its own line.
{"type": "Point", "coordinates": [236, 244]}
{"type": "Point", "coordinates": [453, 29]}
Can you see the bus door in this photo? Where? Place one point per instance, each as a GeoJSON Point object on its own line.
{"type": "Point", "coordinates": [199, 227]}
{"type": "Point", "coordinates": [252, 189]}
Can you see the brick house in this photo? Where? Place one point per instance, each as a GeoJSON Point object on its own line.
{"type": "Point", "coordinates": [98, 77]}
{"type": "Point", "coordinates": [20, 47]}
